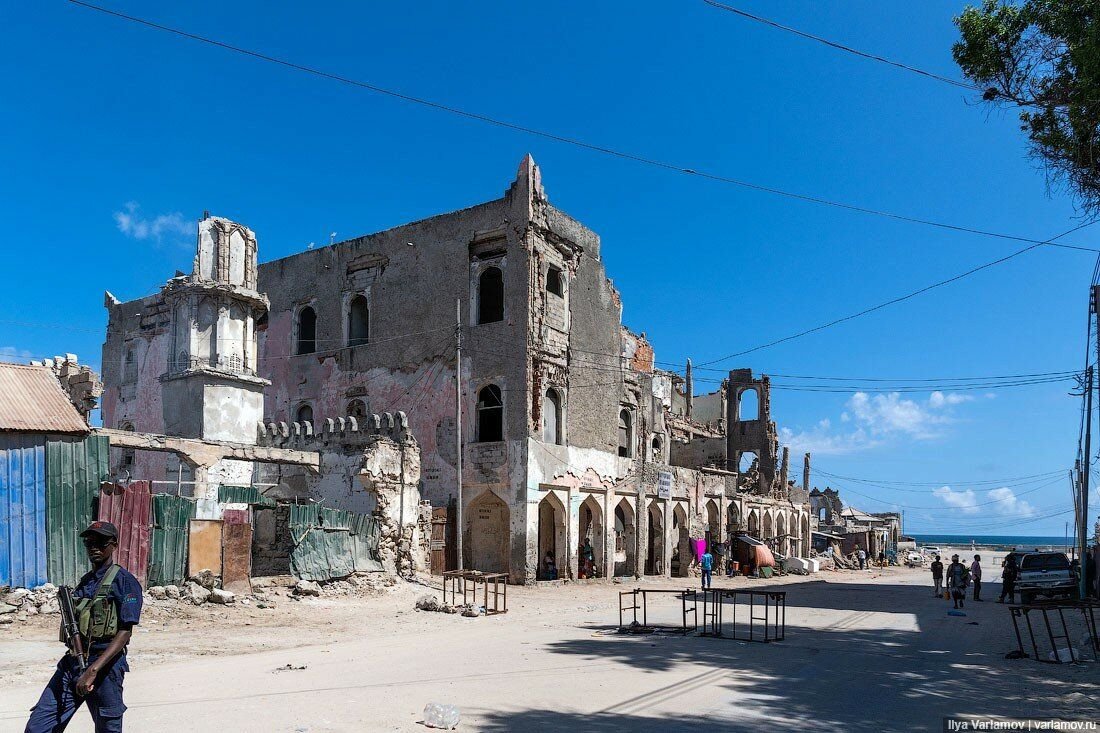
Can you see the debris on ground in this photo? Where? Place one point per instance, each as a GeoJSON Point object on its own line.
{"type": "Point", "coordinates": [437, 715]}
{"type": "Point", "coordinates": [288, 667]}
{"type": "Point", "coordinates": [307, 588]}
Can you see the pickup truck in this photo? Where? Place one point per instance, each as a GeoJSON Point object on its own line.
{"type": "Point", "coordinates": [1045, 573]}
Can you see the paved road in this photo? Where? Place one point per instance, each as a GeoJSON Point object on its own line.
{"type": "Point", "coordinates": [862, 653]}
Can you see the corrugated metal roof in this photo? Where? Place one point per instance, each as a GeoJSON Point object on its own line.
{"type": "Point", "coordinates": [31, 400]}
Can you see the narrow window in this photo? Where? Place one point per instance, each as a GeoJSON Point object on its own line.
{"type": "Point", "coordinates": [551, 418]}
{"type": "Point", "coordinates": [490, 296]}
{"type": "Point", "coordinates": [490, 415]}
{"type": "Point", "coordinates": [304, 414]}
{"type": "Point", "coordinates": [357, 409]}
{"type": "Point", "coordinates": [129, 368]}
{"type": "Point", "coordinates": [624, 434]}
{"type": "Point", "coordinates": [555, 283]}
{"type": "Point", "coordinates": [656, 449]}
{"type": "Point", "coordinates": [307, 331]}
{"type": "Point", "coordinates": [358, 321]}
{"type": "Point", "coordinates": [126, 465]}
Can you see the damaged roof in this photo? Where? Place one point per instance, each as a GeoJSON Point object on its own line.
{"type": "Point", "coordinates": [31, 400]}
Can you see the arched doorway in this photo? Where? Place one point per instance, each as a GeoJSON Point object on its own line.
{"type": "Point", "coordinates": [782, 544]}
{"type": "Point", "coordinates": [681, 552]}
{"type": "Point", "coordinates": [767, 530]}
{"type": "Point", "coordinates": [625, 539]}
{"type": "Point", "coordinates": [486, 546]}
{"type": "Point", "coordinates": [655, 555]}
{"type": "Point", "coordinates": [552, 540]}
{"type": "Point", "coordinates": [591, 529]}
{"type": "Point", "coordinates": [754, 524]}
{"type": "Point", "coordinates": [733, 523]}
{"type": "Point", "coordinates": [712, 534]}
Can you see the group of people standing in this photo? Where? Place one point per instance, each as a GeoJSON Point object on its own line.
{"type": "Point", "coordinates": [959, 576]}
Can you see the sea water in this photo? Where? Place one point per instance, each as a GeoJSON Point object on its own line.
{"type": "Point", "coordinates": [1006, 541]}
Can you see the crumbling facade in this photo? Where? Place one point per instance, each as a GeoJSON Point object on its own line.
{"type": "Point", "coordinates": [569, 432]}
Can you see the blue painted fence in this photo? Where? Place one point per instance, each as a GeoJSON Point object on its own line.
{"type": "Point", "coordinates": [22, 510]}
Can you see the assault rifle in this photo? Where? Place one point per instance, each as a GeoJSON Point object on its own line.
{"type": "Point", "coordinates": [70, 628]}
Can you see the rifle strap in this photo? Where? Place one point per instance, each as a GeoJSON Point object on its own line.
{"type": "Point", "coordinates": [104, 586]}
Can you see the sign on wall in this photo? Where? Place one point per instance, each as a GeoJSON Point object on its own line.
{"type": "Point", "coordinates": [664, 485]}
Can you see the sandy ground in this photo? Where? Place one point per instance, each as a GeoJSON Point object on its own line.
{"type": "Point", "coordinates": [864, 651]}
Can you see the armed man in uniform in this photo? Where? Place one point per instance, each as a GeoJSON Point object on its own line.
{"type": "Point", "coordinates": [108, 607]}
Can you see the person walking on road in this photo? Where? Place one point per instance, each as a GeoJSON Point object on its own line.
{"type": "Point", "coordinates": [937, 576]}
{"type": "Point", "coordinates": [108, 606]}
{"type": "Point", "coordinates": [957, 578]}
{"type": "Point", "coordinates": [1009, 570]}
{"type": "Point", "coordinates": [862, 555]}
{"type": "Point", "coordinates": [976, 576]}
{"type": "Point", "coordinates": [706, 562]}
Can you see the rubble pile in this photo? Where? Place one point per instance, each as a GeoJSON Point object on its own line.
{"type": "Point", "coordinates": [19, 603]}
{"type": "Point", "coordinates": [431, 603]}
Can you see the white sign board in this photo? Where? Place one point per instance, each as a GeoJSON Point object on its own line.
{"type": "Point", "coordinates": [664, 485]}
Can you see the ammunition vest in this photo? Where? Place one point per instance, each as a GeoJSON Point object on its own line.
{"type": "Point", "coordinates": [98, 616]}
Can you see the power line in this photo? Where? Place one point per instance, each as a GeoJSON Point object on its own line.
{"type": "Point", "coordinates": [883, 483]}
{"type": "Point", "coordinates": [613, 152]}
{"type": "Point", "coordinates": [842, 47]}
{"type": "Point", "coordinates": [895, 301]}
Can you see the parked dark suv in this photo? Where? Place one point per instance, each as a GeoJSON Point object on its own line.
{"type": "Point", "coordinates": [1045, 573]}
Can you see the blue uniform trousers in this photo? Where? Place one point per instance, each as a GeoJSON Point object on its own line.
{"type": "Point", "coordinates": [59, 701]}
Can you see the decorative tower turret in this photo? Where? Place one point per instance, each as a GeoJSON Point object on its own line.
{"type": "Point", "coordinates": [211, 390]}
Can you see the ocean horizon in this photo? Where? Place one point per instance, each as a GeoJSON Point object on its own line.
{"type": "Point", "coordinates": [999, 540]}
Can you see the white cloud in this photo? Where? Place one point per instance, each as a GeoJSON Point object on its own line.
{"type": "Point", "coordinates": [162, 227]}
{"type": "Point", "coordinates": [963, 500]}
{"type": "Point", "coordinates": [875, 418]}
{"type": "Point", "coordinates": [1002, 501]}
{"type": "Point", "coordinates": [14, 354]}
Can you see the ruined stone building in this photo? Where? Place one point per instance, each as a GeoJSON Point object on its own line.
{"type": "Point", "coordinates": [569, 432]}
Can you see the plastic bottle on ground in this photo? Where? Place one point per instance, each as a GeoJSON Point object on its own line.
{"type": "Point", "coordinates": [438, 715]}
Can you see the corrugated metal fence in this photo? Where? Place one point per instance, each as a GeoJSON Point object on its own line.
{"type": "Point", "coordinates": [22, 510]}
{"type": "Point", "coordinates": [130, 508]}
{"type": "Point", "coordinates": [332, 543]}
{"type": "Point", "coordinates": [75, 467]}
{"type": "Point", "coordinates": [168, 559]}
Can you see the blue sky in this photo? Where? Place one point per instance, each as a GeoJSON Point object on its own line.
{"type": "Point", "coordinates": [117, 137]}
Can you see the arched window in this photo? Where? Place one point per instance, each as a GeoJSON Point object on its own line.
{"type": "Point", "coordinates": [625, 434]}
{"type": "Point", "coordinates": [307, 331]}
{"type": "Point", "coordinates": [657, 449]}
{"type": "Point", "coordinates": [552, 418]}
{"type": "Point", "coordinates": [490, 414]}
{"type": "Point", "coordinates": [129, 368]}
{"type": "Point", "coordinates": [555, 282]}
{"type": "Point", "coordinates": [304, 414]}
{"type": "Point", "coordinates": [490, 296]}
{"type": "Point", "coordinates": [748, 406]}
{"type": "Point", "coordinates": [357, 409]}
{"type": "Point", "coordinates": [358, 321]}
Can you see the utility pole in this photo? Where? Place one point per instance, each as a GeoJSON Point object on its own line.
{"type": "Point", "coordinates": [1082, 540]}
{"type": "Point", "coordinates": [458, 423]}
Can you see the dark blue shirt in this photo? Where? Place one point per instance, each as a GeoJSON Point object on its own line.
{"type": "Point", "coordinates": [125, 593]}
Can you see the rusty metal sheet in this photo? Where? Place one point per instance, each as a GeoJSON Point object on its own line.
{"type": "Point", "coordinates": [236, 516]}
{"type": "Point", "coordinates": [130, 508]}
{"type": "Point", "coordinates": [22, 510]}
{"type": "Point", "coordinates": [237, 557]}
{"type": "Point", "coordinates": [33, 401]}
{"type": "Point", "coordinates": [204, 546]}
{"type": "Point", "coordinates": [75, 467]}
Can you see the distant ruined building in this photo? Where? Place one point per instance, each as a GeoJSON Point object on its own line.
{"type": "Point", "coordinates": [569, 430]}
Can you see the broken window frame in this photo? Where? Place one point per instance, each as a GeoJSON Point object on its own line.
{"type": "Point", "coordinates": [302, 344]}
{"type": "Point", "coordinates": [490, 416]}
{"type": "Point", "coordinates": [357, 408]}
{"type": "Point", "coordinates": [129, 367]}
{"type": "Point", "coordinates": [358, 320]}
{"type": "Point", "coordinates": [485, 312]}
{"type": "Point", "coordinates": [553, 405]}
{"type": "Point", "coordinates": [555, 281]}
{"type": "Point", "coordinates": [304, 413]}
{"type": "Point", "coordinates": [626, 433]}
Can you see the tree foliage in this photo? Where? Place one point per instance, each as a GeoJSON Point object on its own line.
{"type": "Point", "coordinates": [1043, 56]}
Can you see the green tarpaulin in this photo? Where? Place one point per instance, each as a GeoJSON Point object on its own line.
{"type": "Point", "coordinates": [171, 523]}
{"type": "Point", "coordinates": [332, 543]}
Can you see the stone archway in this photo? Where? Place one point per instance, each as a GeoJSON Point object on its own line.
{"type": "Point", "coordinates": [681, 551]}
{"type": "Point", "coordinates": [782, 541]}
{"type": "Point", "coordinates": [487, 531]}
{"type": "Point", "coordinates": [767, 529]}
{"type": "Point", "coordinates": [712, 533]}
{"type": "Point", "coordinates": [626, 532]}
{"type": "Point", "coordinates": [552, 539]}
{"type": "Point", "coordinates": [591, 529]}
{"type": "Point", "coordinates": [655, 544]}
{"type": "Point", "coordinates": [753, 525]}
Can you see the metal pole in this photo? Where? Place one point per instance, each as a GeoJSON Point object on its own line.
{"type": "Point", "coordinates": [1082, 542]}
{"type": "Point", "coordinates": [458, 423]}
